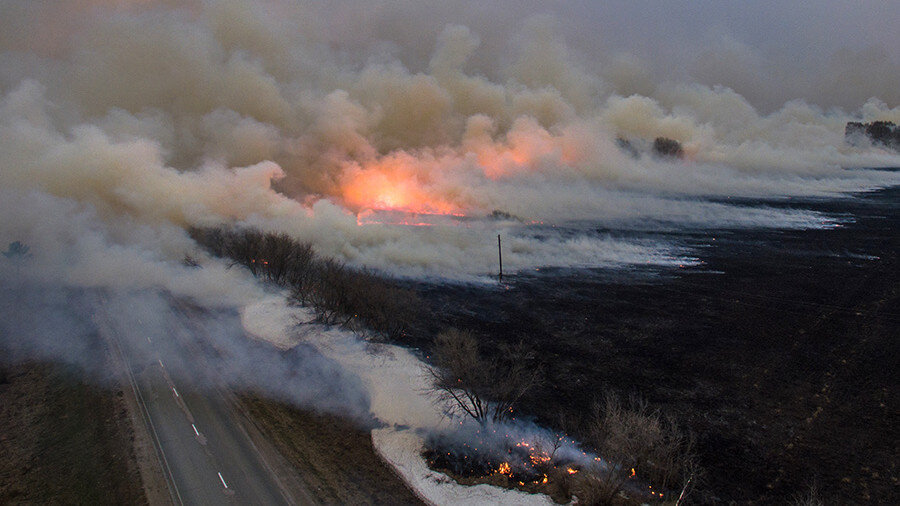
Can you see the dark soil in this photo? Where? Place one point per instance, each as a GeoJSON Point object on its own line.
{"type": "Point", "coordinates": [780, 353]}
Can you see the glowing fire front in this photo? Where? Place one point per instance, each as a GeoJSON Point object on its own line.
{"type": "Point", "coordinates": [394, 183]}
{"type": "Point", "coordinates": [439, 181]}
{"type": "Point", "coordinates": [519, 463]}
{"type": "Point", "coordinates": [534, 464]}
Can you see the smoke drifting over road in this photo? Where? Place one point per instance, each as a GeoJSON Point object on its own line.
{"type": "Point", "coordinates": [122, 123]}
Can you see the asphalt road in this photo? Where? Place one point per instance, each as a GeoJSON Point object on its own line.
{"type": "Point", "coordinates": [206, 453]}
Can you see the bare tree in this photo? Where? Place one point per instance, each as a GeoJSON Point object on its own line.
{"type": "Point", "coordinates": [484, 388]}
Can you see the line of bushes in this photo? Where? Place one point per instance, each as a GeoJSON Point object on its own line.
{"type": "Point", "coordinates": [358, 299]}
{"type": "Point", "coordinates": [639, 445]}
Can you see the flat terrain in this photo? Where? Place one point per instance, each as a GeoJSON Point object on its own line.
{"type": "Point", "coordinates": [62, 440]}
{"type": "Point", "coordinates": [65, 440]}
{"type": "Point", "coordinates": [780, 353]}
{"type": "Point", "coordinates": [335, 457]}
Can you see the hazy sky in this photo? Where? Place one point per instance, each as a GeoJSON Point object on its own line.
{"type": "Point", "coordinates": [769, 51]}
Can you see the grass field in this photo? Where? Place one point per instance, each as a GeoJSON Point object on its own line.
{"type": "Point", "coordinates": [63, 441]}
{"type": "Point", "coordinates": [335, 457]}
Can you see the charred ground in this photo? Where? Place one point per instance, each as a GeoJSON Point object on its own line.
{"type": "Point", "coordinates": [778, 352]}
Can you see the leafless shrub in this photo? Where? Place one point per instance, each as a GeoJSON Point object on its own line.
{"type": "Point", "coordinates": [627, 147]}
{"type": "Point", "coordinates": [810, 498]}
{"type": "Point", "coordinates": [279, 255]}
{"type": "Point", "coordinates": [381, 307]}
{"type": "Point", "coordinates": [303, 274]}
{"type": "Point", "coordinates": [484, 388]}
{"type": "Point", "coordinates": [244, 248]}
{"type": "Point", "coordinates": [211, 238]}
{"type": "Point", "coordinates": [330, 295]}
{"type": "Point", "coordinates": [637, 443]}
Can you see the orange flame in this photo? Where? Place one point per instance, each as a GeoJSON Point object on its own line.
{"type": "Point", "coordinates": [395, 183]}
{"type": "Point", "coordinates": [423, 182]}
{"type": "Point", "coordinates": [505, 469]}
{"type": "Point", "coordinates": [539, 459]}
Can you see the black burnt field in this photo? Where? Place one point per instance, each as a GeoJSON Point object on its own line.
{"type": "Point", "coordinates": [779, 352]}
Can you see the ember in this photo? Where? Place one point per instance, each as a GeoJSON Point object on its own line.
{"type": "Point", "coordinates": [537, 462]}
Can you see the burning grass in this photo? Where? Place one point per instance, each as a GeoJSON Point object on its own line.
{"type": "Point", "coordinates": [505, 457]}
{"type": "Point", "coordinates": [640, 458]}
{"type": "Point", "coordinates": [522, 467]}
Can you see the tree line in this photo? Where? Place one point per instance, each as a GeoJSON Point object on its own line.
{"type": "Point", "coordinates": [358, 299]}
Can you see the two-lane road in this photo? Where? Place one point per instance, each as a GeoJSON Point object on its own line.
{"type": "Point", "coordinates": [206, 453]}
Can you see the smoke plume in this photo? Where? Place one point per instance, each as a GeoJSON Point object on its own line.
{"type": "Point", "coordinates": [123, 123]}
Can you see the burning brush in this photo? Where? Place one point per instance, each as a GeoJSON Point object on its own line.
{"type": "Point", "coordinates": [507, 456]}
{"type": "Point", "coordinates": [535, 460]}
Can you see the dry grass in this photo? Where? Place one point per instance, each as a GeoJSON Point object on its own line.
{"type": "Point", "coordinates": [336, 458]}
{"type": "Point", "coordinates": [641, 446]}
{"type": "Point", "coordinates": [63, 441]}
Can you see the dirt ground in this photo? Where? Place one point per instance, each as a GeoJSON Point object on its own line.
{"type": "Point", "coordinates": [63, 441]}
{"type": "Point", "coordinates": [335, 458]}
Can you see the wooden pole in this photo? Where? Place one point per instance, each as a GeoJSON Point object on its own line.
{"type": "Point", "coordinates": [500, 256]}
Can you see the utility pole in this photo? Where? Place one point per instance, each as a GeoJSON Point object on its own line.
{"type": "Point", "coordinates": [500, 256]}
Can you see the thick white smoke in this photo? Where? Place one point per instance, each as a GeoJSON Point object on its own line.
{"type": "Point", "coordinates": [122, 123]}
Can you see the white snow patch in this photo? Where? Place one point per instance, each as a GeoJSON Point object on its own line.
{"type": "Point", "coordinates": [271, 320]}
{"type": "Point", "coordinates": [397, 383]}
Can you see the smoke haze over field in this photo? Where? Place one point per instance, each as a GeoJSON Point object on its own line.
{"type": "Point", "coordinates": [343, 123]}
{"type": "Point", "coordinates": [123, 122]}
